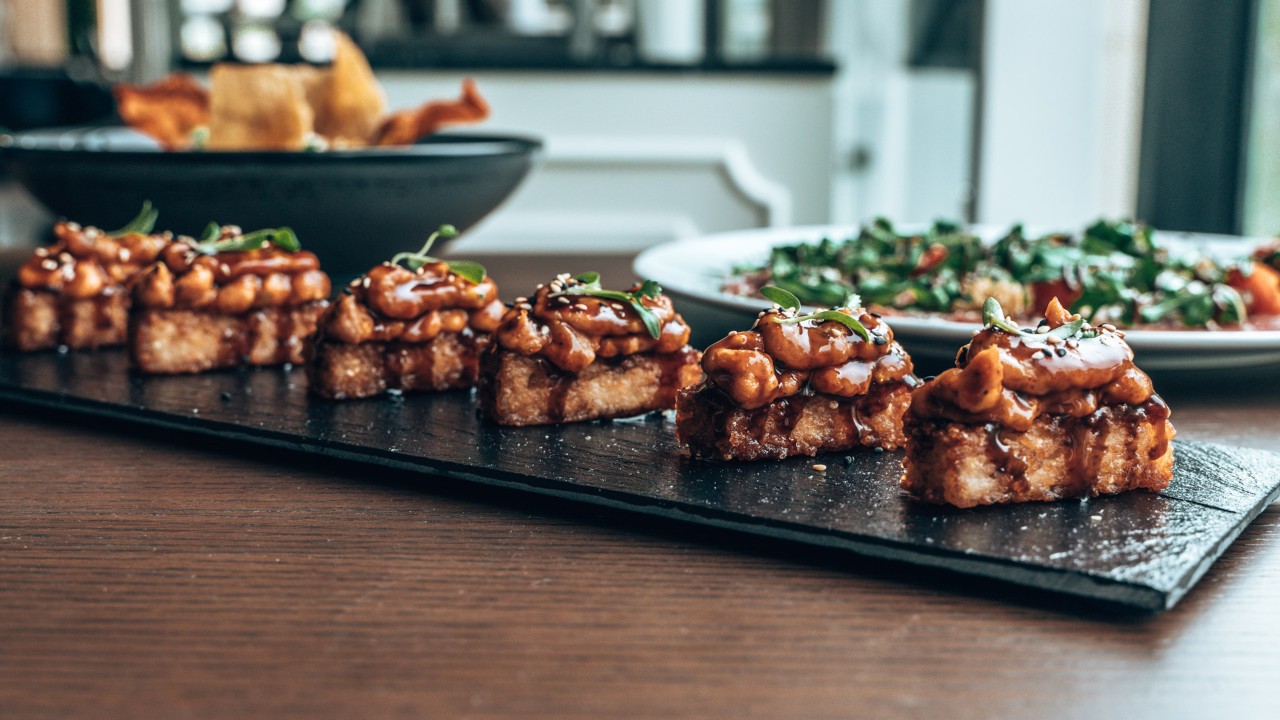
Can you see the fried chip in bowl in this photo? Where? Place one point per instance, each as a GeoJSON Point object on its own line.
{"type": "Point", "coordinates": [167, 110]}
{"type": "Point", "coordinates": [260, 107]}
{"type": "Point", "coordinates": [406, 126]}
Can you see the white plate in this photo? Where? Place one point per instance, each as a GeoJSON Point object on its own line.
{"type": "Point", "coordinates": [692, 271]}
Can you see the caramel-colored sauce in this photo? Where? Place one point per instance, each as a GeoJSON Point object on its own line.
{"type": "Point", "coordinates": [775, 360]}
{"type": "Point", "coordinates": [391, 302]}
{"type": "Point", "coordinates": [232, 282]}
{"type": "Point", "coordinates": [1011, 380]}
{"type": "Point", "coordinates": [1086, 387]}
{"type": "Point", "coordinates": [86, 262]}
{"type": "Point", "coordinates": [571, 331]}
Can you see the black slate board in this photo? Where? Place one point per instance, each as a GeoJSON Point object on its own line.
{"type": "Point", "coordinates": [1137, 549]}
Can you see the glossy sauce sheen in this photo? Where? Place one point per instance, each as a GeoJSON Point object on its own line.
{"type": "Point", "coordinates": [86, 262]}
{"type": "Point", "coordinates": [571, 331]}
{"type": "Point", "coordinates": [774, 360]}
{"type": "Point", "coordinates": [1005, 382]}
{"type": "Point", "coordinates": [232, 283]}
{"type": "Point", "coordinates": [393, 303]}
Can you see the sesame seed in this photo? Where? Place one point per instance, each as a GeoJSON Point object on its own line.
{"type": "Point", "coordinates": [42, 252]}
{"type": "Point", "coordinates": [579, 306]}
{"type": "Point", "coordinates": [365, 281]}
{"type": "Point", "coordinates": [1041, 330]}
{"type": "Point", "coordinates": [1047, 353]}
{"type": "Point", "coordinates": [522, 299]}
{"type": "Point", "coordinates": [818, 467]}
{"type": "Point", "coordinates": [1052, 339]}
{"type": "Point", "coordinates": [1062, 352]}
{"type": "Point", "coordinates": [49, 264]}
{"type": "Point", "coordinates": [125, 254]}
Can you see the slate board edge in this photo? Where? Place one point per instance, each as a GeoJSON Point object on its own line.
{"type": "Point", "coordinates": [1134, 595]}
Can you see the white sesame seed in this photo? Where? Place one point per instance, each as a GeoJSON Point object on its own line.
{"type": "Point", "coordinates": [125, 254]}
{"type": "Point", "coordinates": [365, 281]}
{"type": "Point", "coordinates": [49, 264]}
{"type": "Point", "coordinates": [1042, 329]}
{"type": "Point", "coordinates": [1052, 339]}
{"type": "Point", "coordinates": [42, 252]}
{"type": "Point", "coordinates": [818, 467]}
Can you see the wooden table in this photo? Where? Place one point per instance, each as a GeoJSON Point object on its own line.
{"type": "Point", "coordinates": [150, 575]}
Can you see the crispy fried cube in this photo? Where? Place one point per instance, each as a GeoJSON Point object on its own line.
{"type": "Point", "coordinates": [44, 320]}
{"type": "Point", "coordinates": [516, 389]}
{"type": "Point", "coordinates": [163, 341]}
{"type": "Point", "coordinates": [1118, 449]}
{"type": "Point", "coordinates": [449, 361]}
{"type": "Point", "coordinates": [712, 426]}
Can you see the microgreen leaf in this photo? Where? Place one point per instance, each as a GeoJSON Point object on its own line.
{"type": "Point", "coordinates": [472, 271]}
{"type": "Point", "coordinates": [283, 238]}
{"type": "Point", "coordinates": [465, 269]}
{"type": "Point", "coordinates": [589, 285]}
{"type": "Point", "coordinates": [993, 316]}
{"type": "Point", "coordinates": [144, 223]}
{"type": "Point", "coordinates": [783, 298]}
{"type": "Point", "coordinates": [211, 232]}
{"type": "Point", "coordinates": [649, 289]}
{"type": "Point", "coordinates": [1067, 329]}
{"type": "Point", "coordinates": [848, 321]}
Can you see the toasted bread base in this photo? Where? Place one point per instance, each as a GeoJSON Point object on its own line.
{"type": "Point", "coordinates": [518, 390]}
{"type": "Point", "coordinates": [172, 342]}
{"type": "Point", "coordinates": [449, 361]}
{"type": "Point", "coordinates": [714, 427]}
{"type": "Point", "coordinates": [44, 320]}
{"type": "Point", "coordinates": [1115, 450]}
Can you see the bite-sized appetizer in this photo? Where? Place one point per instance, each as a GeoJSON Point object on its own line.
{"type": "Point", "coordinates": [74, 293]}
{"type": "Point", "coordinates": [414, 323]}
{"type": "Point", "coordinates": [1045, 413]}
{"type": "Point", "coordinates": [798, 384]}
{"type": "Point", "coordinates": [228, 299]}
{"type": "Point", "coordinates": [576, 351]}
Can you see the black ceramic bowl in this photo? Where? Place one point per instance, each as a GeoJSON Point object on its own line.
{"type": "Point", "coordinates": [351, 207]}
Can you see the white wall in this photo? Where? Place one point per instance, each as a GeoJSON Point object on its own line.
{"type": "Point", "coordinates": [1061, 110]}
{"type": "Point", "coordinates": [633, 159]}
{"type": "Point", "coordinates": [914, 124]}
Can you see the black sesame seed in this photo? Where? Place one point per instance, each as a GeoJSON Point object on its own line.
{"type": "Point", "coordinates": [878, 450]}
{"type": "Point", "coordinates": [1062, 352]}
{"type": "Point", "coordinates": [226, 397]}
{"type": "Point", "coordinates": [875, 315]}
{"type": "Point", "coordinates": [848, 460]}
{"type": "Point", "coordinates": [1046, 352]}
{"type": "Point", "coordinates": [1043, 323]}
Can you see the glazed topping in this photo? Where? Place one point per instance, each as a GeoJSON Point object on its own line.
{"type": "Point", "coordinates": [572, 321]}
{"type": "Point", "coordinates": [233, 272]}
{"type": "Point", "coordinates": [786, 353]}
{"type": "Point", "coordinates": [85, 261]}
{"type": "Point", "coordinates": [395, 303]}
{"type": "Point", "coordinates": [1011, 376]}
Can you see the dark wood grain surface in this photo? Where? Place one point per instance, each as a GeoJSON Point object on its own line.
{"type": "Point", "coordinates": [153, 575]}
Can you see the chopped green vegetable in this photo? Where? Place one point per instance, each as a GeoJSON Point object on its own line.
{"type": "Point", "coordinates": [1111, 272]}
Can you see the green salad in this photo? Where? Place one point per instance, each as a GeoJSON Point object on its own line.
{"type": "Point", "coordinates": [1111, 272]}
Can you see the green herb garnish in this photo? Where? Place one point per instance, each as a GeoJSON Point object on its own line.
{"type": "Point", "coordinates": [788, 301]}
{"type": "Point", "coordinates": [993, 316]}
{"type": "Point", "coordinates": [143, 224]}
{"type": "Point", "coordinates": [589, 284]}
{"type": "Point", "coordinates": [210, 244]}
{"type": "Point", "coordinates": [472, 271]}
